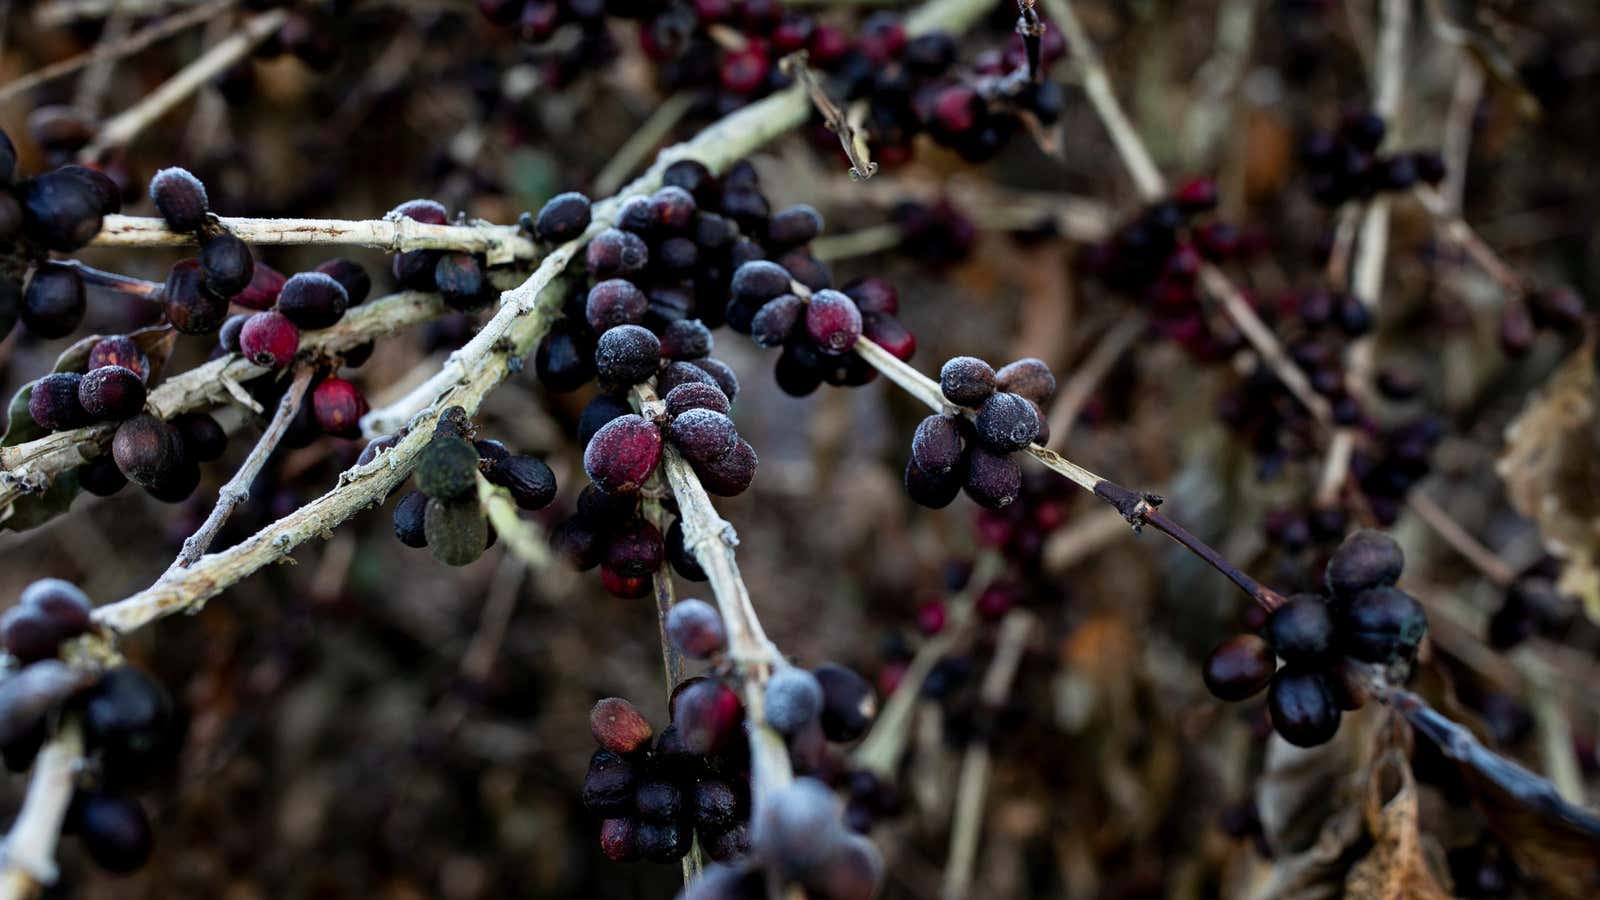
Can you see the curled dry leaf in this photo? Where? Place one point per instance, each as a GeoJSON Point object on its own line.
{"type": "Point", "coordinates": [1555, 843]}
{"type": "Point", "coordinates": [1397, 866]}
{"type": "Point", "coordinates": [1551, 470]}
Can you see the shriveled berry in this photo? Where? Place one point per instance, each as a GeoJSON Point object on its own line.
{"type": "Point", "coordinates": [53, 302]}
{"type": "Point", "coordinates": [686, 339]}
{"type": "Point", "coordinates": [120, 350]}
{"type": "Point", "coordinates": [934, 491]}
{"type": "Point", "coordinates": [269, 339]}
{"type": "Point", "coordinates": [262, 291]}
{"type": "Point", "coordinates": [563, 218]}
{"type": "Point", "coordinates": [707, 714]}
{"type": "Point", "coordinates": [456, 530]}
{"type": "Point", "coordinates": [619, 727]}
{"type": "Point", "coordinates": [146, 449]}
{"type": "Point", "coordinates": [966, 381]}
{"type": "Point", "coordinates": [615, 302]}
{"type": "Point", "coordinates": [619, 837]}
{"type": "Point", "coordinates": [754, 283]}
{"type": "Point", "coordinates": [1366, 559]}
{"type": "Point", "coordinates": [658, 800]}
{"type": "Point", "coordinates": [937, 445]}
{"type": "Point", "coordinates": [60, 211]}
{"type": "Point", "coordinates": [732, 474]}
{"type": "Point", "coordinates": [409, 517]}
{"type": "Point", "coordinates": [339, 406]}
{"type": "Point", "coordinates": [696, 395]}
{"type": "Point", "coordinates": [848, 704]}
{"type": "Point", "coordinates": [626, 355]}
{"type": "Point", "coordinates": [609, 784]}
{"type": "Point", "coordinates": [1006, 422]}
{"type": "Point", "coordinates": [1301, 630]}
{"type": "Point", "coordinates": [180, 198]}
{"type": "Point", "coordinates": [1302, 708]}
{"type": "Point", "coordinates": [111, 393]}
{"type": "Point", "coordinates": [714, 804]}
{"type": "Point", "coordinates": [791, 227]}
{"type": "Point", "coordinates": [1029, 377]}
{"type": "Point", "coordinates": [113, 829]}
{"type": "Point", "coordinates": [614, 252]}
{"type": "Point", "coordinates": [702, 436]}
{"type": "Point", "coordinates": [993, 480]}
{"type": "Point", "coordinates": [191, 306]}
{"type": "Point", "coordinates": [695, 628]}
{"type": "Point", "coordinates": [312, 300]}
{"type": "Point", "coordinates": [622, 454]}
{"type": "Point", "coordinates": [793, 699]}
{"type": "Point", "coordinates": [54, 402]}
{"type": "Point", "coordinates": [635, 551]}
{"type": "Point", "coordinates": [447, 468]}
{"type": "Point", "coordinates": [776, 320]}
{"type": "Point", "coordinates": [227, 264]}
{"type": "Point", "coordinates": [1381, 625]}
{"type": "Point", "coordinates": [528, 478]}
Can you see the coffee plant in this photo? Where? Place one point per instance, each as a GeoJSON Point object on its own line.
{"type": "Point", "coordinates": [1347, 341]}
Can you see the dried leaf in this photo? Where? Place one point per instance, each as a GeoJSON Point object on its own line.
{"type": "Point", "coordinates": [1551, 469]}
{"type": "Point", "coordinates": [1396, 867]}
{"type": "Point", "coordinates": [1555, 843]}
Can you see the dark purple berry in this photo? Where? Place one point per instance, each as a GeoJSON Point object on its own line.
{"type": "Point", "coordinates": [966, 381]}
{"type": "Point", "coordinates": [113, 829]}
{"type": "Point", "coordinates": [635, 550]}
{"type": "Point", "coordinates": [1029, 377]}
{"type": "Point", "coordinates": [623, 454]}
{"type": "Point", "coordinates": [1381, 625]}
{"type": "Point", "coordinates": [53, 302]}
{"type": "Point", "coordinates": [627, 355]}
{"type": "Point", "coordinates": [180, 198]}
{"type": "Point", "coordinates": [111, 393]}
{"type": "Point", "coordinates": [409, 515]}
{"type": "Point", "coordinates": [723, 376]}
{"type": "Point", "coordinates": [563, 218]}
{"type": "Point", "coordinates": [615, 302]}
{"type": "Point", "coordinates": [54, 402]}
{"type": "Point", "coordinates": [120, 350]}
{"type": "Point", "coordinates": [1239, 668]}
{"type": "Point", "coordinates": [60, 211]}
{"type": "Point", "coordinates": [461, 281]}
{"type": "Point", "coordinates": [146, 449]}
{"type": "Point", "coordinates": [528, 478]}
{"type": "Point", "coordinates": [848, 704]}
{"type": "Point", "coordinates": [934, 491]}
{"type": "Point", "coordinates": [993, 480]}
{"type": "Point", "coordinates": [351, 275]}
{"type": "Point", "coordinates": [227, 264]}
{"type": "Point", "coordinates": [696, 395]}
{"type": "Point", "coordinates": [312, 300]}
{"type": "Point", "coordinates": [685, 339]}
{"type": "Point", "coordinates": [776, 320]}
{"type": "Point", "coordinates": [793, 227]}
{"type": "Point", "coordinates": [1301, 630]}
{"type": "Point", "coordinates": [1006, 423]}
{"type": "Point", "coordinates": [1366, 559]}
{"type": "Point", "coordinates": [614, 252]}
{"type": "Point", "coordinates": [695, 628]}
{"type": "Point", "coordinates": [754, 283]}
{"type": "Point", "coordinates": [1302, 708]}
{"type": "Point", "coordinates": [732, 474]}
{"type": "Point", "coordinates": [191, 306]}
{"type": "Point", "coordinates": [793, 699]}
{"type": "Point", "coordinates": [672, 209]}
{"type": "Point", "coordinates": [937, 445]}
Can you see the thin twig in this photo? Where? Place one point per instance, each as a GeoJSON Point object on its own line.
{"type": "Point", "coordinates": [29, 851]}
{"type": "Point", "coordinates": [501, 244]}
{"type": "Point", "coordinates": [237, 488]}
{"type": "Point", "coordinates": [1460, 540]}
{"type": "Point", "coordinates": [854, 142]}
{"type": "Point", "coordinates": [477, 663]}
{"type": "Point", "coordinates": [1462, 235]}
{"type": "Point", "coordinates": [118, 131]}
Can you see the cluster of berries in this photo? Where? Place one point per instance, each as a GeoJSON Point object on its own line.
{"type": "Point", "coordinates": [1157, 258]}
{"type": "Point", "coordinates": [951, 452]}
{"type": "Point", "coordinates": [443, 512]}
{"type": "Point", "coordinates": [1324, 640]}
{"type": "Point", "coordinates": [914, 86]}
{"type": "Point", "coordinates": [461, 279]}
{"type": "Point", "coordinates": [125, 716]}
{"type": "Point", "coordinates": [1345, 165]}
{"type": "Point", "coordinates": [60, 211]}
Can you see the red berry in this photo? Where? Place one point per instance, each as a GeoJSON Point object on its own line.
{"type": "Point", "coordinates": [931, 617]}
{"type": "Point", "coordinates": [339, 406]}
{"type": "Point", "coordinates": [269, 339]}
{"type": "Point", "coordinates": [833, 322]}
{"type": "Point", "coordinates": [707, 714]}
{"type": "Point", "coordinates": [624, 587]}
{"type": "Point", "coordinates": [622, 454]}
{"type": "Point", "coordinates": [262, 292]}
{"type": "Point", "coordinates": [744, 71]}
{"type": "Point", "coordinates": [618, 726]}
{"type": "Point", "coordinates": [889, 333]}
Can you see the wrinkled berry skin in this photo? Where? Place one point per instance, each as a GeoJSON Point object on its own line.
{"type": "Point", "coordinates": [146, 449]}
{"type": "Point", "coordinates": [1239, 668]}
{"type": "Point", "coordinates": [695, 395]}
{"type": "Point", "coordinates": [1366, 559]}
{"type": "Point", "coordinates": [622, 454]}
{"type": "Point", "coordinates": [191, 306]}
{"type": "Point", "coordinates": [111, 393]}
{"type": "Point", "coordinates": [54, 402]}
{"type": "Point", "coordinates": [966, 381]}
{"type": "Point", "coordinates": [1006, 423]}
{"type": "Point", "coordinates": [563, 218]}
{"type": "Point", "coordinates": [269, 339]}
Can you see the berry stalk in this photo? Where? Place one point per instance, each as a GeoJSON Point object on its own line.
{"type": "Point", "coordinates": [29, 851]}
